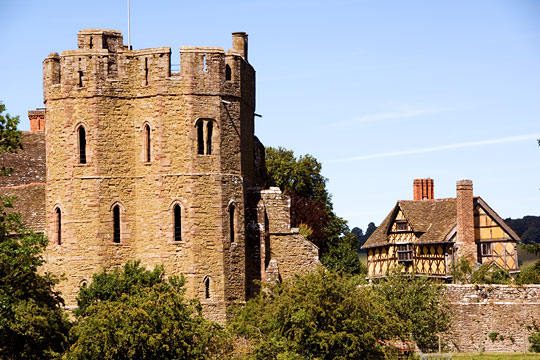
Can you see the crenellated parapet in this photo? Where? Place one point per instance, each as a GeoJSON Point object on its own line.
{"type": "Point", "coordinates": [103, 66]}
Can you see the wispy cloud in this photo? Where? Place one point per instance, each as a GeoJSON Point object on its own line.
{"type": "Point", "coordinates": [509, 139]}
{"type": "Point", "coordinates": [384, 116]}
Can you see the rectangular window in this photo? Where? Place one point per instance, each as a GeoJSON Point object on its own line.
{"type": "Point", "coordinates": [487, 249]}
{"type": "Point", "coordinates": [401, 226]}
{"type": "Point", "coordinates": [404, 252]}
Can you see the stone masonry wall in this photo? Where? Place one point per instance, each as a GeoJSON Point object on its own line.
{"type": "Point", "coordinates": [479, 310]}
{"type": "Point", "coordinates": [114, 93]}
{"type": "Point", "coordinates": [284, 251]}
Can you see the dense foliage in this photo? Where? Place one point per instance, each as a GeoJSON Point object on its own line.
{"type": "Point", "coordinates": [490, 273]}
{"type": "Point", "coordinates": [534, 338]}
{"type": "Point", "coordinates": [32, 323]}
{"type": "Point", "coordinates": [138, 314]}
{"type": "Point", "coordinates": [311, 208]}
{"type": "Point", "coordinates": [327, 316]}
{"type": "Point", "coordinates": [317, 316]}
{"type": "Point", "coordinates": [420, 305]}
{"type": "Point", "coordinates": [529, 275]}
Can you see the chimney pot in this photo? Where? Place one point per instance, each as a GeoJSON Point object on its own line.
{"type": "Point", "coordinates": [423, 189]}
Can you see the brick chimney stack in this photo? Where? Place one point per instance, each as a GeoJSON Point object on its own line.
{"type": "Point", "coordinates": [423, 189]}
{"type": "Point", "coordinates": [37, 119]}
{"type": "Point", "coordinates": [465, 221]}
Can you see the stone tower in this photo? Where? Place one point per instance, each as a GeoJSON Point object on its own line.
{"type": "Point", "coordinates": [146, 163]}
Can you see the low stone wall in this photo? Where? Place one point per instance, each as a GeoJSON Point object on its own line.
{"type": "Point", "coordinates": [506, 311]}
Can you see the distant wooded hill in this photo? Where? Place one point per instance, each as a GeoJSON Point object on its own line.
{"type": "Point", "coordinates": [528, 228]}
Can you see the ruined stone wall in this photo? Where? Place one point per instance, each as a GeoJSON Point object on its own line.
{"type": "Point", "coordinates": [284, 251]}
{"type": "Point", "coordinates": [114, 93]}
{"type": "Point", "coordinates": [480, 310]}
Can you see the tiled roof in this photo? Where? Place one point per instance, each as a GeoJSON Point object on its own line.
{"type": "Point", "coordinates": [28, 163]}
{"type": "Point", "coordinates": [30, 202]}
{"type": "Point", "coordinates": [431, 220]}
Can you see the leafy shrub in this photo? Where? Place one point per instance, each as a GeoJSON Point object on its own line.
{"type": "Point", "coordinates": [490, 273]}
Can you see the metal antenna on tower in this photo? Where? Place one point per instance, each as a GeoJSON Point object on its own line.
{"type": "Point", "coordinates": [129, 29]}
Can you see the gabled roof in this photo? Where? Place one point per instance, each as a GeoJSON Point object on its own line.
{"type": "Point", "coordinates": [480, 202]}
{"type": "Point", "coordinates": [433, 221]}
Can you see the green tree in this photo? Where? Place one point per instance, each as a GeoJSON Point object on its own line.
{"type": "Point", "coordinates": [529, 275]}
{"type": "Point", "coordinates": [343, 256]}
{"type": "Point", "coordinates": [10, 137]}
{"type": "Point", "coordinates": [139, 314]}
{"type": "Point", "coordinates": [419, 303]}
{"type": "Point", "coordinates": [311, 205]}
{"type": "Point", "coordinates": [317, 316]}
{"type": "Point", "coordinates": [33, 324]}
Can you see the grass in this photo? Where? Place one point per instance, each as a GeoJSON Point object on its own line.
{"type": "Point", "coordinates": [496, 356]}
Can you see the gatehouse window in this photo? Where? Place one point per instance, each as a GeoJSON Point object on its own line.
{"type": "Point", "coordinates": [401, 225]}
{"type": "Point", "coordinates": [487, 249]}
{"type": "Point", "coordinates": [404, 252]}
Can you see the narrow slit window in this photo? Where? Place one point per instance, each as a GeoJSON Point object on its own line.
{"type": "Point", "coordinates": [207, 287]}
{"type": "Point", "coordinates": [116, 225]}
{"type": "Point", "coordinates": [58, 226]}
{"type": "Point", "coordinates": [204, 63]}
{"type": "Point", "coordinates": [200, 137]}
{"type": "Point", "coordinates": [228, 74]}
{"type": "Point", "coordinates": [80, 78]}
{"type": "Point", "coordinates": [82, 145]}
{"type": "Point", "coordinates": [145, 71]}
{"type": "Point", "coordinates": [177, 223]}
{"type": "Point", "coordinates": [147, 144]}
{"type": "Point", "coordinates": [91, 44]}
{"type": "Point", "coordinates": [231, 223]}
{"type": "Point", "coordinates": [209, 138]}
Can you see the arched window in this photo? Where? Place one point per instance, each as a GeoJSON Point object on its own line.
{"type": "Point", "coordinates": [147, 144]}
{"type": "Point", "coordinates": [205, 129]}
{"type": "Point", "coordinates": [177, 214]}
{"type": "Point", "coordinates": [206, 282]}
{"type": "Point", "coordinates": [82, 144]}
{"type": "Point", "coordinates": [58, 225]}
{"type": "Point", "coordinates": [228, 73]}
{"type": "Point", "coordinates": [232, 222]}
{"type": "Point", "coordinates": [116, 224]}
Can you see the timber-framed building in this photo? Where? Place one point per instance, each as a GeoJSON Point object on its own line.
{"type": "Point", "coordinates": [427, 235]}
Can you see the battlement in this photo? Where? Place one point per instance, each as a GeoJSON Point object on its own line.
{"type": "Point", "coordinates": [110, 40]}
{"type": "Point", "coordinates": [103, 66]}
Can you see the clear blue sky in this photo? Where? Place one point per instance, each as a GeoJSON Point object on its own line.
{"type": "Point", "coordinates": [381, 92]}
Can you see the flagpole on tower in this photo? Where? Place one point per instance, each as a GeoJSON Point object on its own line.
{"type": "Point", "coordinates": [129, 29]}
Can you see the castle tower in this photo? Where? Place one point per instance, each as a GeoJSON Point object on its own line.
{"type": "Point", "coordinates": [146, 163]}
